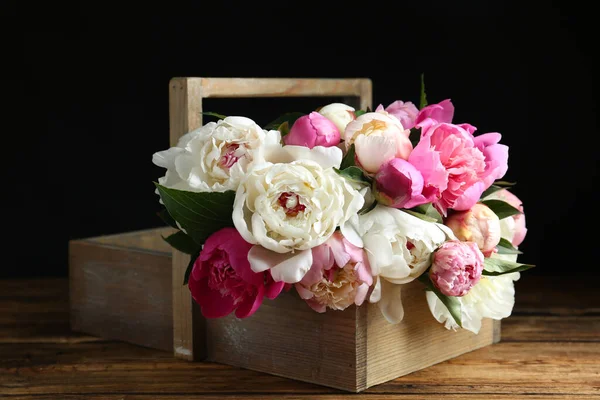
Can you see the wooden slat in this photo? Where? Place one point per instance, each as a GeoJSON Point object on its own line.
{"type": "Point", "coordinates": [505, 368]}
{"type": "Point", "coordinates": [185, 115]}
{"type": "Point", "coordinates": [118, 293]}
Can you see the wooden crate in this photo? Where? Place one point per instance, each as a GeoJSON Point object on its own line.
{"type": "Point", "coordinates": [129, 287]}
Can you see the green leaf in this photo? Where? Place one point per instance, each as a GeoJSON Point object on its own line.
{"type": "Point", "coordinates": [358, 113]}
{"type": "Point", "coordinates": [423, 97]}
{"type": "Point", "coordinates": [182, 242]}
{"type": "Point", "coordinates": [496, 267]}
{"type": "Point", "coordinates": [188, 270]}
{"type": "Point", "coordinates": [430, 211]}
{"type": "Point", "coordinates": [492, 189]}
{"type": "Point", "coordinates": [213, 114]}
{"type": "Point", "coordinates": [366, 208]}
{"type": "Point", "coordinates": [504, 183]}
{"type": "Point", "coordinates": [290, 118]}
{"type": "Point", "coordinates": [354, 174]}
{"type": "Point", "coordinates": [167, 219]}
{"type": "Point", "coordinates": [506, 247]}
{"type": "Point", "coordinates": [501, 208]}
{"type": "Point", "coordinates": [452, 303]}
{"type": "Point", "coordinates": [415, 136]}
{"type": "Point", "coordinates": [199, 214]}
{"type": "Point", "coordinates": [349, 159]}
{"type": "Point", "coordinates": [419, 215]}
{"type": "Point", "coordinates": [284, 128]}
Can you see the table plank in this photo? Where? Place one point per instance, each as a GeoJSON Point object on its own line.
{"type": "Point", "coordinates": [41, 359]}
{"type": "Point", "coordinates": [505, 368]}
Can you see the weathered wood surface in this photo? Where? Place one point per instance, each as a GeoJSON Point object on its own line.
{"type": "Point", "coordinates": [100, 269]}
{"type": "Point", "coordinates": [185, 114]}
{"type": "Point", "coordinates": [549, 350]}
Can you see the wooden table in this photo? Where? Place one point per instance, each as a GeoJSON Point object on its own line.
{"type": "Point", "coordinates": [550, 349]}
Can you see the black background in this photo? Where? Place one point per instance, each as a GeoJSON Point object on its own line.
{"type": "Point", "coordinates": [86, 102]}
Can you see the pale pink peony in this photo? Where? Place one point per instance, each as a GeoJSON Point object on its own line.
{"type": "Point", "coordinates": [513, 227]}
{"type": "Point", "coordinates": [339, 277]}
{"type": "Point", "coordinates": [313, 130]}
{"type": "Point", "coordinates": [496, 156]}
{"type": "Point", "coordinates": [406, 112]}
{"type": "Point", "coordinates": [453, 168]}
{"type": "Point", "coordinates": [399, 184]}
{"type": "Point", "coordinates": [479, 225]}
{"type": "Point", "coordinates": [222, 281]}
{"type": "Point", "coordinates": [441, 112]}
{"type": "Point", "coordinates": [378, 137]}
{"type": "Point", "coordinates": [456, 267]}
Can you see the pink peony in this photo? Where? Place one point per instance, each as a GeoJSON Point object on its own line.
{"type": "Point", "coordinates": [479, 225]}
{"type": "Point", "coordinates": [222, 281]}
{"type": "Point", "coordinates": [513, 227]}
{"type": "Point", "coordinates": [313, 130]}
{"type": "Point", "coordinates": [453, 168]}
{"type": "Point", "coordinates": [405, 112]}
{"type": "Point", "coordinates": [496, 157]}
{"type": "Point", "coordinates": [456, 267]}
{"type": "Point", "coordinates": [339, 277]}
{"type": "Point", "coordinates": [399, 184]}
{"type": "Point", "coordinates": [441, 112]}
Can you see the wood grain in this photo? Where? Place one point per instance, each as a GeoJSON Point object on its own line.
{"type": "Point", "coordinates": [416, 343]}
{"type": "Point", "coordinates": [527, 364]}
{"type": "Point", "coordinates": [185, 115]}
{"type": "Point", "coordinates": [120, 293]}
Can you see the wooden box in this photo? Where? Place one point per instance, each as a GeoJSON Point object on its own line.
{"type": "Point", "coordinates": [129, 287]}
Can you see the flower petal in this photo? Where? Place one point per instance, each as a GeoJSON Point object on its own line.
{"type": "Point", "coordinates": [373, 151]}
{"type": "Point", "coordinates": [326, 157]}
{"type": "Point", "coordinates": [285, 267]}
{"type": "Point", "coordinates": [391, 302]}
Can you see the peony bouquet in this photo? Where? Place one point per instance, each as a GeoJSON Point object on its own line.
{"type": "Point", "coordinates": [346, 206]}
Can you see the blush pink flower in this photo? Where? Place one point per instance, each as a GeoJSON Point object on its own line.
{"type": "Point", "coordinates": [339, 277]}
{"type": "Point", "coordinates": [222, 281]}
{"type": "Point", "coordinates": [453, 168]}
{"type": "Point", "coordinates": [399, 184]}
{"type": "Point", "coordinates": [456, 267]}
{"type": "Point", "coordinates": [378, 137]}
{"type": "Point", "coordinates": [479, 225]}
{"type": "Point", "coordinates": [406, 112]}
{"type": "Point", "coordinates": [313, 130]}
{"type": "Point", "coordinates": [513, 227]}
{"type": "Point", "coordinates": [441, 112]}
{"type": "Point", "coordinates": [496, 157]}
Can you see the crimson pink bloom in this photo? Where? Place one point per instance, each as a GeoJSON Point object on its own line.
{"type": "Point", "coordinates": [399, 184]}
{"type": "Point", "coordinates": [456, 267]}
{"type": "Point", "coordinates": [313, 130]}
{"type": "Point", "coordinates": [441, 112]}
{"type": "Point", "coordinates": [451, 165]}
{"type": "Point", "coordinates": [339, 277]}
{"type": "Point", "coordinates": [222, 280]}
{"type": "Point", "coordinates": [406, 112]}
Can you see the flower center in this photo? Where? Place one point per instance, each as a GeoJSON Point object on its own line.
{"type": "Point", "coordinates": [229, 156]}
{"type": "Point", "coordinates": [291, 203]}
{"type": "Point", "coordinates": [373, 126]}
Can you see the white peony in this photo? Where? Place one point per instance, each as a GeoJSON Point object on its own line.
{"type": "Point", "coordinates": [291, 206]}
{"type": "Point", "coordinates": [492, 297]}
{"type": "Point", "coordinates": [340, 114]}
{"type": "Point", "coordinates": [216, 156]}
{"type": "Point", "coordinates": [400, 248]}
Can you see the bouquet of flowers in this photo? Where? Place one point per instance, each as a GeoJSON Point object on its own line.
{"type": "Point", "coordinates": [346, 206]}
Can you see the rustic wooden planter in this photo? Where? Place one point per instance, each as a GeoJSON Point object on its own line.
{"type": "Point", "coordinates": [128, 287]}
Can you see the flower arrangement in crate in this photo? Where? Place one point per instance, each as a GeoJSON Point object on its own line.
{"type": "Point", "coordinates": [346, 206]}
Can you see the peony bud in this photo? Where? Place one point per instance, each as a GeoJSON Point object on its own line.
{"type": "Point", "coordinates": [313, 130]}
{"type": "Point", "coordinates": [479, 225]}
{"type": "Point", "coordinates": [399, 184]}
{"type": "Point", "coordinates": [456, 267]}
{"type": "Point", "coordinates": [513, 228]}
{"type": "Point", "coordinates": [405, 112]}
{"type": "Point", "coordinates": [338, 113]}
